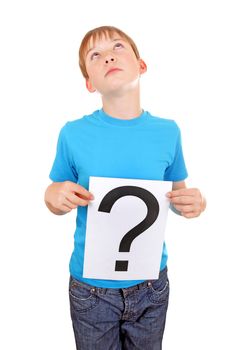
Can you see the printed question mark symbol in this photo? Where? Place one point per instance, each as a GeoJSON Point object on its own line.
{"type": "Point", "coordinates": [152, 213]}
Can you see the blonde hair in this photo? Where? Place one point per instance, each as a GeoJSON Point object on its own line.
{"type": "Point", "coordinates": [97, 33]}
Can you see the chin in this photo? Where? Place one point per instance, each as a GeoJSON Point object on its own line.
{"type": "Point", "coordinates": [122, 87]}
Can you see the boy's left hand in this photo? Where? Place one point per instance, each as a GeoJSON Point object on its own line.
{"type": "Point", "coordinates": [188, 201]}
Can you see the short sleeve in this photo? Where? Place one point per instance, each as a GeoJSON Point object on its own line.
{"type": "Point", "coordinates": [177, 171]}
{"type": "Point", "coordinates": [63, 168]}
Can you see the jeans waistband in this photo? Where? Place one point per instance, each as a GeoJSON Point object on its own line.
{"type": "Point", "coordinates": [101, 290]}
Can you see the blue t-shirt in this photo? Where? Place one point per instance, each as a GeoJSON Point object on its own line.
{"type": "Point", "coordinates": [145, 147]}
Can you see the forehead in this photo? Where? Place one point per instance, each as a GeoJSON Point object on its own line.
{"type": "Point", "coordinates": [102, 38]}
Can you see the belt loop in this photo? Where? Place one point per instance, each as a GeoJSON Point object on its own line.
{"type": "Point", "coordinates": [101, 290]}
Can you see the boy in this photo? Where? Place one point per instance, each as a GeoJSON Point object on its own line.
{"type": "Point", "coordinates": [123, 141]}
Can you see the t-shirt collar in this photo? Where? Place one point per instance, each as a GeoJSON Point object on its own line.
{"type": "Point", "coordinates": [122, 122]}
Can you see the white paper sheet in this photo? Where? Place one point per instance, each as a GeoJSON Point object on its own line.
{"type": "Point", "coordinates": [127, 202]}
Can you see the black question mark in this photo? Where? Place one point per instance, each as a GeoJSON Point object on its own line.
{"type": "Point", "coordinates": [152, 213]}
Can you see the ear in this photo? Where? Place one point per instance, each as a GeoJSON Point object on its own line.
{"type": "Point", "coordinates": [89, 86]}
{"type": "Point", "coordinates": [142, 66]}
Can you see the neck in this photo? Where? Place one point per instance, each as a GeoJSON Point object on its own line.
{"type": "Point", "coordinates": [125, 106]}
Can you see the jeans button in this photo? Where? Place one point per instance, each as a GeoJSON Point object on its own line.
{"type": "Point", "coordinates": [149, 284]}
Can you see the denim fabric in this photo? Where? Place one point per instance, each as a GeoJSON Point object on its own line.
{"type": "Point", "coordinates": [117, 319]}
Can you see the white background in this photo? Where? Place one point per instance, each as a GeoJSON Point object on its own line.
{"type": "Point", "coordinates": [187, 46]}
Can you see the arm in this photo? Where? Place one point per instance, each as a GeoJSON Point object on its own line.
{"type": "Point", "coordinates": [188, 202]}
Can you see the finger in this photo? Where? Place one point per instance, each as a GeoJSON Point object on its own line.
{"type": "Point", "coordinates": [84, 197]}
{"type": "Point", "coordinates": [182, 200]}
{"type": "Point", "coordinates": [83, 202]}
{"type": "Point", "coordinates": [184, 208]}
{"type": "Point", "coordinates": [190, 215]}
{"type": "Point", "coordinates": [75, 200]}
{"type": "Point", "coordinates": [65, 208]}
{"type": "Point", "coordinates": [69, 204]}
{"type": "Point", "coordinates": [182, 192]}
{"type": "Point", "coordinates": [80, 190]}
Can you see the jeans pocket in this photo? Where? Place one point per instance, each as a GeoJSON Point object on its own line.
{"type": "Point", "coordinates": [158, 291]}
{"type": "Point", "coordinates": [82, 298]}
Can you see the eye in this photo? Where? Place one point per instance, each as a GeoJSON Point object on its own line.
{"type": "Point", "coordinates": [118, 45]}
{"type": "Point", "coordinates": [94, 55]}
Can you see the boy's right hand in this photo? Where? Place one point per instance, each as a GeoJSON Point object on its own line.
{"type": "Point", "coordinates": [65, 196]}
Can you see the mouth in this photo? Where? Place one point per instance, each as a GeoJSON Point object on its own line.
{"type": "Point", "coordinates": [112, 70]}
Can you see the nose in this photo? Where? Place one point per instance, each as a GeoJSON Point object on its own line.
{"type": "Point", "coordinates": [109, 58]}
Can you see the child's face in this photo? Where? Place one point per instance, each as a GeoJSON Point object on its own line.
{"type": "Point", "coordinates": [107, 54]}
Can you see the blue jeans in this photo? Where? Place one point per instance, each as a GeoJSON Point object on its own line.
{"type": "Point", "coordinates": [116, 319]}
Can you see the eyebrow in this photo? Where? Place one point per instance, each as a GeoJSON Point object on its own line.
{"type": "Point", "coordinates": [92, 48]}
